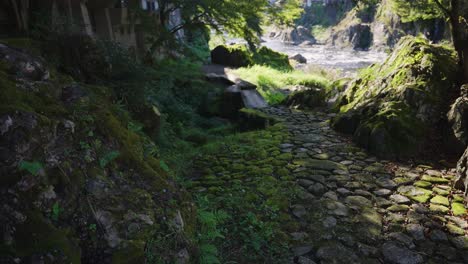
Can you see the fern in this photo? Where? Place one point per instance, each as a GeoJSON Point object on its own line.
{"type": "Point", "coordinates": [164, 166]}
{"type": "Point", "coordinates": [109, 157]}
{"type": "Point", "coordinates": [31, 167]}
{"type": "Point", "coordinates": [55, 211]}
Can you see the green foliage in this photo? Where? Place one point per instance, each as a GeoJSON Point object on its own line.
{"type": "Point", "coordinates": [164, 166]}
{"type": "Point", "coordinates": [108, 158]}
{"type": "Point", "coordinates": [268, 57]}
{"type": "Point", "coordinates": [32, 167]}
{"type": "Point", "coordinates": [419, 9]}
{"type": "Point", "coordinates": [244, 204]}
{"type": "Point", "coordinates": [55, 211]}
{"type": "Point", "coordinates": [209, 232]}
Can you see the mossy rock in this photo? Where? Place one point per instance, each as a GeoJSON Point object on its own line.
{"type": "Point", "coordinates": [308, 98]}
{"type": "Point", "coordinates": [392, 108]}
{"type": "Point", "coordinates": [38, 236]}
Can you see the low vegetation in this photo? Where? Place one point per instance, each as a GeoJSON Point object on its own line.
{"type": "Point", "coordinates": [272, 82]}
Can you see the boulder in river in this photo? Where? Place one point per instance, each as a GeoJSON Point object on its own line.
{"type": "Point", "coordinates": [299, 58]}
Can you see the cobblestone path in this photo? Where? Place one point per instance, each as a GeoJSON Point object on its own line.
{"type": "Point", "coordinates": [355, 208]}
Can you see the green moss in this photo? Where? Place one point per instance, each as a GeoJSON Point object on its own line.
{"type": "Point", "coordinates": [434, 179]}
{"type": "Point", "coordinates": [438, 208]}
{"type": "Point", "coordinates": [37, 235]}
{"type": "Point", "coordinates": [423, 184]}
{"type": "Point", "coordinates": [458, 209]}
{"type": "Point", "coordinates": [133, 253]}
{"type": "Point", "coordinates": [438, 199]}
{"type": "Point", "coordinates": [455, 230]}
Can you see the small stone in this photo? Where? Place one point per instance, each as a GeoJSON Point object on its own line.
{"type": "Point", "coordinates": [316, 178]}
{"type": "Point", "coordinates": [458, 198]}
{"type": "Point", "coordinates": [438, 235]}
{"type": "Point", "coordinates": [393, 253]}
{"type": "Point", "coordinates": [353, 185]}
{"type": "Point", "coordinates": [317, 189]}
{"type": "Point", "coordinates": [382, 192]}
{"type": "Point", "coordinates": [367, 250]}
{"type": "Point", "coordinates": [386, 183]}
{"type": "Point", "coordinates": [338, 208]}
{"type": "Point", "coordinates": [460, 242]}
{"type": "Point", "coordinates": [343, 191]}
{"type": "Point", "coordinates": [423, 184]}
{"type": "Point", "coordinates": [395, 218]}
{"type": "Point", "coordinates": [382, 202]}
{"type": "Point", "coordinates": [455, 230]}
{"type": "Point", "coordinates": [358, 201]}
{"type": "Point", "coordinates": [297, 236]}
{"type": "Point", "coordinates": [419, 208]}
{"type": "Point", "coordinates": [331, 195]}
{"type": "Point", "coordinates": [302, 250]}
{"type": "Point", "coordinates": [434, 179]}
{"type": "Point", "coordinates": [447, 252]}
{"type": "Point", "coordinates": [304, 260]}
{"type": "Point", "coordinates": [305, 183]}
{"type": "Point", "coordinates": [398, 208]}
{"type": "Point", "coordinates": [458, 221]}
{"type": "Point", "coordinates": [400, 199]}
{"type": "Point", "coordinates": [441, 191]}
{"type": "Point", "coordinates": [329, 222]}
{"type": "Point", "coordinates": [458, 209]}
{"type": "Point", "coordinates": [404, 239]}
{"type": "Point", "coordinates": [434, 173]}
{"type": "Point", "coordinates": [438, 199]}
{"type": "Point", "coordinates": [363, 193]}
{"type": "Point", "coordinates": [336, 253]}
{"type": "Point", "coordinates": [299, 211]}
{"type": "Point", "coordinates": [438, 208]}
{"type": "Point", "coordinates": [416, 231]}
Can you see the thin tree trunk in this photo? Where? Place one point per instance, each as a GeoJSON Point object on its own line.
{"type": "Point", "coordinates": [465, 65]}
{"type": "Point", "coordinates": [19, 23]}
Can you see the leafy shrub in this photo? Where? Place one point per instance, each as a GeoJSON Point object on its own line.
{"type": "Point", "coordinates": [32, 167]}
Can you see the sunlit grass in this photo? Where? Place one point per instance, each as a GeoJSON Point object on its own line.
{"type": "Point", "coordinates": [271, 82]}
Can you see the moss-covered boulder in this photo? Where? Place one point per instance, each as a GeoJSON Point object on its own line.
{"type": "Point", "coordinates": [306, 98]}
{"type": "Point", "coordinates": [394, 109]}
{"type": "Point", "coordinates": [241, 56]}
{"type": "Point", "coordinates": [232, 56]}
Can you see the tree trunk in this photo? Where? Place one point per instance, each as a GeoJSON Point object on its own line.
{"type": "Point", "coordinates": [465, 64]}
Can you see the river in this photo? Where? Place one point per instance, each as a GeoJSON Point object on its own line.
{"type": "Point", "coordinates": [346, 60]}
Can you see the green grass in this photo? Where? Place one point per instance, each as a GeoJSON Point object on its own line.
{"type": "Point", "coordinates": [271, 81]}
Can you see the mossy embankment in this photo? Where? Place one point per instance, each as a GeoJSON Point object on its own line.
{"type": "Point", "coordinates": [83, 182]}
{"type": "Point", "coordinates": [396, 108]}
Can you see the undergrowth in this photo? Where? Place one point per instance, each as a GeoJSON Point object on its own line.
{"type": "Point", "coordinates": [271, 82]}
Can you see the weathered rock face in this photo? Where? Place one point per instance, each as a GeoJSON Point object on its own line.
{"type": "Point", "coordinates": [65, 198]}
{"type": "Point", "coordinates": [358, 36]}
{"type": "Point", "coordinates": [458, 116]}
{"type": "Point", "coordinates": [23, 65]}
{"type": "Point", "coordinates": [461, 181]}
{"type": "Point", "coordinates": [294, 36]}
{"type": "Point", "coordinates": [393, 108]}
{"type": "Point", "coordinates": [232, 56]}
{"type": "Point", "coordinates": [352, 32]}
